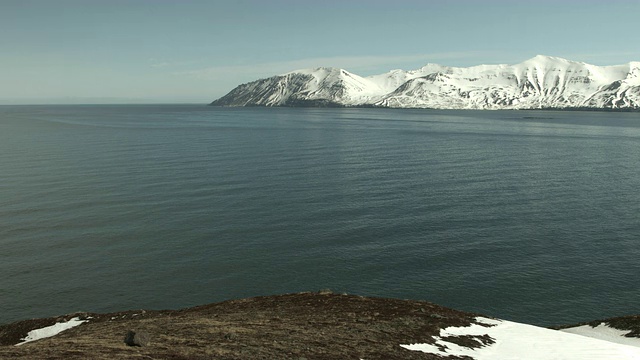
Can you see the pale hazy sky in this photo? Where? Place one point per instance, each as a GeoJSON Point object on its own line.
{"type": "Point", "coordinates": [195, 50]}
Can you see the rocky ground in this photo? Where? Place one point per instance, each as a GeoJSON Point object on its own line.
{"type": "Point", "coordinates": [296, 326]}
{"type": "Point", "coordinates": [320, 325]}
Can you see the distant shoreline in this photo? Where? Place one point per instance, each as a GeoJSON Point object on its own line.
{"type": "Point", "coordinates": [341, 106]}
{"type": "Point", "coordinates": [329, 106]}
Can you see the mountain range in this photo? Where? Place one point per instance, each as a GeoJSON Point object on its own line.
{"type": "Point", "coordinates": [543, 82]}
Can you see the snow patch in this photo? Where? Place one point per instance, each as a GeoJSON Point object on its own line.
{"type": "Point", "coordinates": [50, 331]}
{"type": "Point", "coordinates": [520, 341]}
{"type": "Point", "coordinates": [604, 332]}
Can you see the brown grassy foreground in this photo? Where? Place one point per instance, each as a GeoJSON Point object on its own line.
{"type": "Point", "coordinates": [295, 326]}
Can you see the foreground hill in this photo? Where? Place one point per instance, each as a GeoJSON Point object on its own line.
{"type": "Point", "coordinates": [541, 82]}
{"type": "Point", "coordinates": [305, 326]}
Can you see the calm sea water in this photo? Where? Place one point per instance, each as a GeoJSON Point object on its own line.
{"type": "Point", "coordinates": [531, 216]}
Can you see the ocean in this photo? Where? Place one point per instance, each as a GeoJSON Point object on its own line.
{"type": "Point", "coordinates": [529, 216]}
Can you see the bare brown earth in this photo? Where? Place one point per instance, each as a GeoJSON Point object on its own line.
{"type": "Point", "coordinates": [295, 326]}
{"type": "Point", "coordinates": [299, 326]}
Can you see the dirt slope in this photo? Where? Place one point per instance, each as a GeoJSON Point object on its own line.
{"type": "Point", "coordinates": [295, 326]}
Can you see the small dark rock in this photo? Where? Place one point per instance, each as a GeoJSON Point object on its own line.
{"type": "Point", "coordinates": [137, 338]}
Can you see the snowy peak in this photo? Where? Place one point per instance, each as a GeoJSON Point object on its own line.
{"type": "Point", "coordinates": [540, 82]}
{"type": "Point", "coordinates": [541, 59]}
{"type": "Point", "coordinates": [345, 85]}
{"type": "Point", "coordinates": [307, 87]}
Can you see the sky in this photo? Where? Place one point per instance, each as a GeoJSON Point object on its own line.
{"type": "Point", "coordinates": [194, 51]}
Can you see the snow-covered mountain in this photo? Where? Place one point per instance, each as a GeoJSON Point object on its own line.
{"type": "Point", "coordinates": [540, 82]}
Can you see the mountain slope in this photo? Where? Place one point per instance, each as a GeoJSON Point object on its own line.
{"type": "Point", "coordinates": [313, 87]}
{"type": "Point", "coordinates": [540, 82]}
{"type": "Point", "coordinates": [313, 326]}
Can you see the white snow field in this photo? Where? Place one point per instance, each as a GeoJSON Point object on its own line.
{"type": "Point", "coordinates": [523, 342]}
{"type": "Point", "coordinates": [604, 332]}
{"type": "Point", "coordinates": [50, 331]}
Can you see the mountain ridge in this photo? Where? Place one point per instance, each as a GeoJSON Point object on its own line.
{"type": "Point", "coordinates": [542, 82]}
